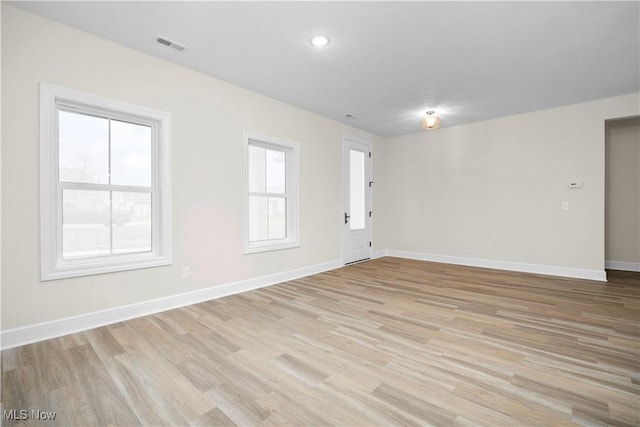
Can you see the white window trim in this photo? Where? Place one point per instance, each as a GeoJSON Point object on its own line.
{"type": "Point", "coordinates": [52, 265]}
{"type": "Point", "coordinates": [293, 200]}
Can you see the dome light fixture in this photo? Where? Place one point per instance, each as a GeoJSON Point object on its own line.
{"type": "Point", "coordinates": [430, 121]}
{"type": "Point", "coordinates": [319, 41]}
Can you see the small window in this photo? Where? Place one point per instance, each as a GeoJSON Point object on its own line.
{"type": "Point", "coordinates": [105, 185]}
{"type": "Point", "coordinates": [271, 194]}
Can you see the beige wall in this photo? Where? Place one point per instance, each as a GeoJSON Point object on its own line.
{"type": "Point", "coordinates": [448, 192]}
{"type": "Point", "coordinates": [208, 118]}
{"type": "Point", "coordinates": [623, 191]}
{"type": "Point", "coordinates": [493, 190]}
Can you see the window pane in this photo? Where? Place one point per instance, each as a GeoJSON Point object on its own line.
{"type": "Point", "coordinates": [130, 154]}
{"type": "Point", "coordinates": [258, 220]}
{"type": "Point", "coordinates": [85, 223]}
{"type": "Point", "coordinates": [131, 219]}
{"type": "Point", "coordinates": [356, 190]}
{"type": "Point", "coordinates": [277, 218]}
{"type": "Point", "coordinates": [276, 167]}
{"type": "Point", "coordinates": [84, 148]}
{"type": "Point", "coordinates": [256, 169]}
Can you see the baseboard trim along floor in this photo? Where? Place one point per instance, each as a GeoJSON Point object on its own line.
{"type": "Point", "coordinates": [57, 328]}
{"type": "Point", "coordinates": [622, 265]}
{"type": "Point", "coordinates": [549, 270]}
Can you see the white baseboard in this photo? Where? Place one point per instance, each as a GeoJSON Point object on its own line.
{"type": "Point", "coordinates": [57, 328]}
{"type": "Point", "coordinates": [504, 265]}
{"type": "Point", "coordinates": [622, 265]}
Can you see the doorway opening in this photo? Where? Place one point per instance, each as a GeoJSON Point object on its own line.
{"type": "Point", "coordinates": [622, 196]}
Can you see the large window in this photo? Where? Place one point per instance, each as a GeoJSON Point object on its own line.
{"type": "Point", "coordinates": [105, 185]}
{"type": "Point", "coordinates": [271, 194]}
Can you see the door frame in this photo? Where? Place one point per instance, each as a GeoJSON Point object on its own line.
{"type": "Point", "coordinates": [343, 233]}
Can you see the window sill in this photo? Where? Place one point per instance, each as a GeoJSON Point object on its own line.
{"type": "Point", "coordinates": [266, 247]}
{"type": "Point", "coordinates": [92, 268]}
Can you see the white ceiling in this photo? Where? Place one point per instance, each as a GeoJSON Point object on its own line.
{"type": "Point", "coordinates": [389, 62]}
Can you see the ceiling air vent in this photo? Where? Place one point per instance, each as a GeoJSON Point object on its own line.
{"type": "Point", "coordinates": [170, 43]}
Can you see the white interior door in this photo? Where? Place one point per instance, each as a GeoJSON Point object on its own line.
{"type": "Point", "coordinates": [357, 220]}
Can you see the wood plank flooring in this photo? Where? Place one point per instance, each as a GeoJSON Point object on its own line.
{"type": "Point", "coordinates": [384, 342]}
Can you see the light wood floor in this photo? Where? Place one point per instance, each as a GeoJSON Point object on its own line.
{"type": "Point", "coordinates": [385, 342]}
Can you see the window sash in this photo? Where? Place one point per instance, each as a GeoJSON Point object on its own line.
{"type": "Point", "coordinates": [273, 195]}
{"type": "Point", "coordinates": [110, 189]}
{"type": "Point", "coordinates": [108, 114]}
{"type": "Point", "coordinates": [267, 217]}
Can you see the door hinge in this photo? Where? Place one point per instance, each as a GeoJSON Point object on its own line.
{"type": "Point", "coordinates": [370, 213]}
{"type": "Point", "coordinates": [369, 244]}
{"type": "Point", "coordinates": [370, 184]}
{"type": "Point", "coordinates": [369, 154]}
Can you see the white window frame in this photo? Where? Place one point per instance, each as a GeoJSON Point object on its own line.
{"type": "Point", "coordinates": [292, 151]}
{"type": "Point", "coordinates": [53, 266]}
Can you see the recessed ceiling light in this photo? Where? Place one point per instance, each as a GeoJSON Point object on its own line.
{"type": "Point", "coordinates": [320, 41]}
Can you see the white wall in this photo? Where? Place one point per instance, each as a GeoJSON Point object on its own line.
{"type": "Point", "coordinates": [493, 190]}
{"type": "Point", "coordinates": [208, 118]}
{"type": "Point", "coordinates": [622, 194]}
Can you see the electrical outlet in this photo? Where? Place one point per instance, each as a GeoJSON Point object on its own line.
{"type": "Point", "coordinates": [564, 206]}
{"type": "Point", "coordinates": [186, 272]}
{"type": "Point", "coordinates": [489, 247]}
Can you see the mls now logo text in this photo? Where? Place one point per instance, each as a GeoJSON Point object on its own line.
{"type": "Point", "coordinates": [24, 414]}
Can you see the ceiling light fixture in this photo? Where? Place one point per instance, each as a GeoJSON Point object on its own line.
{"type": "Point", "coordinates": [430, 121]}
{"type": "Point", "coordinates": [319, 41]}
